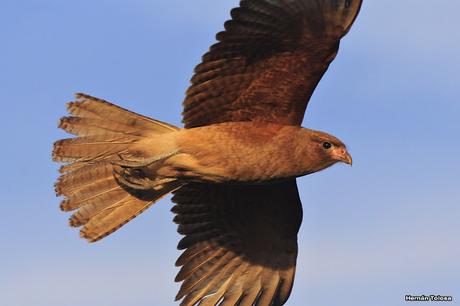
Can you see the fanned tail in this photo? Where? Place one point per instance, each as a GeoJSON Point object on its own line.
{"type": "Point", "coordinates": [91, 182]}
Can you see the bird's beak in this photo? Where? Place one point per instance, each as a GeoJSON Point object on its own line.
{"type": "Point", "coordinates": [347, 159]}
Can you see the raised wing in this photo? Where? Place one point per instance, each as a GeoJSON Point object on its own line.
{"type": "Point", "coordinates": [240, 241]}
{"type": "Point", "coordinates": [268, 61]}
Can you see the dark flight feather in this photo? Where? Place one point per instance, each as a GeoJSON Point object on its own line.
{"type": "Point", "coordinates": [268, 61]}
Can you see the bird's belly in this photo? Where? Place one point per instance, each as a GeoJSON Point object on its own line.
{"type": "Point", "coordinates": [239, 152]}
{"type": "Point", "coordinates": [237, 164]}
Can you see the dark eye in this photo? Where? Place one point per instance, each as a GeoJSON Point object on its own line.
{"type": "Point", "coordinates": [327, 145]}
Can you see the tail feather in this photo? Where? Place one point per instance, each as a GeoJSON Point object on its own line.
{"type": "Point", "coordinates": [94, 196]}
{"type": "Point", "coordinates": [97, 204]}
{"type": "Point", "coordinates": [119, 213]}
{"type": "Point", "coordinates": [90, 107]}
{"type": "Point", "coordinates": [90, 148]}
{"type": "Point", "coordinates": [72, 181]}
{"type": "Point", "coordinates": [94, 126]}
{"type": "Point", "coordinates": [105, 133]}
{"type": "Point", "coordinates": [68, 168]}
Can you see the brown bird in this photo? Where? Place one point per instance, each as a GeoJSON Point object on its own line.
{"type": "Point", "coordinates": [232, 168]}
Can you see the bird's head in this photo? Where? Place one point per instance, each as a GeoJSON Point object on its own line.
{"type": "Point", "coordinates": [327, 150]}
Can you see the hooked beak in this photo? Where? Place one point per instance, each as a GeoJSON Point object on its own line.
{"type": "Point", "coordinates": [347, 159]}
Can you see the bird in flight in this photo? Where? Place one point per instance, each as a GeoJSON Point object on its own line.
{"type": "Point", "coordinates": [232, 169]}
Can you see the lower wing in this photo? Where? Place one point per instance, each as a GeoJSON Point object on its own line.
{"type": "Point", "coordinates": [240, 243]}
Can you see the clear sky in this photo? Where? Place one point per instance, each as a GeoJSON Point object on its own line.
{"type": "Point", "coordinates": [386, 227]}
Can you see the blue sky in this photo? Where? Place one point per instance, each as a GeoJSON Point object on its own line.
{"type": "Point", "coordinates": [386, 227]}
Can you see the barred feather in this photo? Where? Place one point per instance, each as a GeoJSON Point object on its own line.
{"type": "Point", "coordinates": [105, 133]}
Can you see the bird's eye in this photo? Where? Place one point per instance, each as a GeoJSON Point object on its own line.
{"type": "Point", "coordinates": [327, 145]}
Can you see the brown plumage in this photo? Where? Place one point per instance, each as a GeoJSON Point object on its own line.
{"type": "Point", "coordinates": [232, 169]}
